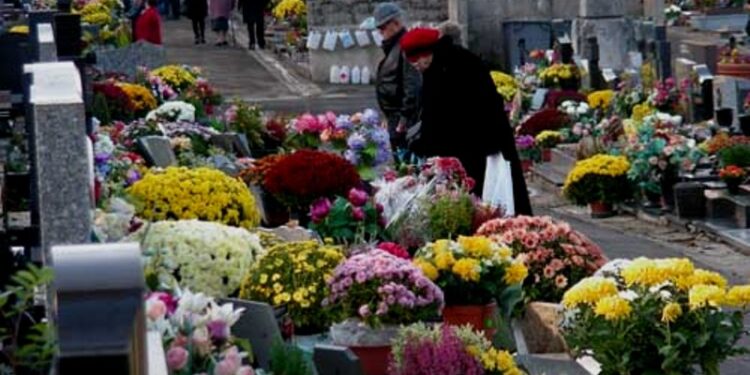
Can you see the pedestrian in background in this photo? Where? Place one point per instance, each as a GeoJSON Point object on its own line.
{"type": "Point", "coordinates": [148, 24]}
{"type": "Point", "coordinates": [174, 5]}
{"type": "Point", "coordinates": [253, 14]}
{"type": "Point", "coordinates": [397, 83]}
{"type": "Point", "coordinates": [220, 11]}
{"type": "Point", "coordinates": [462, 115]}
{"type": "Point", "coordinates": [135, 10]}
{"type": "Point", "coordinates": [197, 11]}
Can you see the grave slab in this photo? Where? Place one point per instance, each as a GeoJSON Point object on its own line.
{"type": "Point", "coordinates": [157, 151]}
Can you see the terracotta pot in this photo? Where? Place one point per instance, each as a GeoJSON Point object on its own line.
{"type": "Point", "coordinates": [736, 70]}
{"type": "Point", "coordinates": [600, 210]}
{"type": "Point", "coordinates": [374, 359]}
{"type": "Point", "coordinates": [547, 155]}
{"type": "Point", "coordinates": [526, 165]}
{"type": "Point", "coordinates": [481, 317]}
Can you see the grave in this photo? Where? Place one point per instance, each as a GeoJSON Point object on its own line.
{"type": "Point", "coordinates": [127, 60]}
{"type": "Point", "coordinates": [544, 365]}
{"type": "Point", "coordinates": [45, 43]}
{"type": "Point", "coordinates": [61, 188]}
{"type": "Point", "coordinates": [259, 326]}
{"type": "Point", "coordinates": [702, 52]}
{"type": "Point", "coordinates": [157, 151]}
{"type": "Point", "coordinates": [98, 309]}
{"type": "Point", "coordinates": [730, 92]}
{"type": "Point", "coordinates": [336, 360]}
{"type": "Point", "coordinates": [605, 21]}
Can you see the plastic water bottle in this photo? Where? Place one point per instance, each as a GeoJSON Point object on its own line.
{"type": "Point", "coordinates": [356, 76]}
{"type": "Point", "coordinates": [365, 76]}
{"type": "Point", "coordinates": [344, 75]}
{"type": "Point", "coordinates": [334, 76]}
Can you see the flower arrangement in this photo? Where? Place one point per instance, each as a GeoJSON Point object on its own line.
{"type": "Point", "coordinates": [198, 255]}
{"type": "Point", "coordinates": [290, 8]}
{"type": "Point", "coordinates": [379, 288]}
{"type": "Point", "coordinates": [307, 130]}
{"type": "Point", "coordinates": [448, 172]}
{"type": "Point", "coordinates": [256, 173]}
{"type": "Point", "coordinates": [293, 274]}
{"type": "Point", "coordinates": [202, 193]}
{"type": "Point", "coordinates": [601, 178]}
{"type": "Point", "coordinates": [447, 350]}
{"type": "Point", "coordinates": [173, 111]}
{"type": "Point", "coordinates": [548, 139]}
{"type": "Point", "coordinates": [300, 178]}
{"type": "Point", "coordinates": [96, 13]}
{"type": "Point", "coordinates": [112, 103]}
{"type": "Point", "coordinates": [675, 308]}
{"type": "Point", "coordinates": [526, 146]}
{"type": "Point", "coordinates": [471, 270]}
{"type": "Point", "coordinates": [115, 169]}
{"type": "Point", "coordinates": [555, 74]}
{"type": "Point", "coordinates": [556, 98]}
{"type": "Point", "coordinates": [555, 255]}
{"type": "Point", "coordinates": [197, 334]}
{"type": "Point", "coordinates": [732, 172]}
{"type": "Point", "coordinates": [732, 56]}
{"type": "Point", "coordinates": [722, 141]}
{"type": "Point", "coordinates": [141, 100]}
{"type": "Point", "coordinates": [202, 96]}
{"type": "Point", "coordinates": [450, 214]}
{"type": "Point", "coordinates": [394, 249]}
{"type": "Point", "coordinates": [546, 119]}
{"type": "Point", "coordinates": [353, 220]}
{"type": "Point", "coordinates": [368, 144]}
{"type": "Point", "coordinates": [247, 120]}
{"type": "Point", "coordinates": [179, 78]}
{"type": "Point", "coordinates": [667, 96]}
{"type": "Point", "coordinates": [641, 111]}
{"type": "Point", "coordinates": [506, 85]}
{"type": "Point", "coordinates": [601, 99]}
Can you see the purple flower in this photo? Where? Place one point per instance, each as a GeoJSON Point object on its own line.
{"type": "Point", "coordinates": [380, 136]}
{"type": "Point", "coordinates": [364, 311]}
{"type": "Point", "coordinates": [524, 142]}
{"type": "Point", "coordinates": [358, 197]}
{"type": "Point", "coordinates": [358, 214]}
{"type": "Point", "coordinates": [320, 209]}
{"type": "Point", "coordinates": [351, 156]}
{"type": "Point", "coordinates": [344, 122]}
{"type": "Point", "coordinates": [370, 117]}
{"type": "Point", "coordinates": [219, 330]}
{"type": "Point", "coordinates": [101, 157]}
{"type": "Point", "coordinates": [356, 142]}
{"type": "Point", "coordinates": [132, 177]}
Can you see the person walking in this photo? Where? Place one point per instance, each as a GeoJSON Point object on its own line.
{"type": "Point", "coordinates": [148, 24]}
{"type": "Point", "coordinates": [220, 11]}
{"type": "Point", "coordinates": [253, 14]}
{"type": "Point", "coordinates": [397, 83]}
{"type": "Point", "coordinates": [174, 6]}
{"type": "Point", "coordinates": [135, 10]}
{"type": "Point", "coordinates": [462, 115]}
{"type": "Point", "coordinates": [197, 10]}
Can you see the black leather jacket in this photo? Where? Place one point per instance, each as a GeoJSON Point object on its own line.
{"type": "Point", "coordinates": [398, 85]}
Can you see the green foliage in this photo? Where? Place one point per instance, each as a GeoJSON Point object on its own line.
{"type": "Point", "coordinates": [100, 109]}
{"type": "Point", "coordinates": [738, 155]}
{"type": "Point", "coordinates": [28, 345]}
{"type": "Point", "coordinates": [248, 120]}
{"type": "Point", "coordinates": [341, 226]}
{"type": "Point", "coordinates": [451, 215]}
{"type": "Point", "coordinates": [288, 360]}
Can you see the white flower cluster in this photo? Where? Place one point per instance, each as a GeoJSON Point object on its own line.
{"type": "Point", "coordinates": [201, 256]}
{"type": "Point", "coordinates": [574, 109]}
{"type": "Point", "coordinates": [173, 111]}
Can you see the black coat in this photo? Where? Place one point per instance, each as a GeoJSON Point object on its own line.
{"type": "Point", "coordinates": [252, 9]}
{"type": "Point", "coordinates": [463, 116]}
{"type": "Point", "coordinates": [397, 86]}
{"type": "Point", "coordinates": [196, 9]}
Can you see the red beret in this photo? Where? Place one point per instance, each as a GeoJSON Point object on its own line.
{"type": "Point", "coordinates": [418, 42]}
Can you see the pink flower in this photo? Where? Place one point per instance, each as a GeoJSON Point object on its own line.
{"type": "Point", "coordinates": [549, 272]}
{"type": "Point", "coordinates": [225, 367]}
{"type": "Point", "coordinates": [561, 281]}
{"type": "Point", "coordinates": [394, 249]}
{"type": "Point", "coordinates": [557, 264]}
{"type": "Point", "coordinates": [358, 197]}
{"type": "Point", "coordinates": [320, 209]}
{"type": "Point", "coordinates": [577, 260]}
{"type": "Point", "coordinates": [177, 358]}
{"type": "Point", "coordinates": [358, 214]}
{"type": "Point", "coordinates": [364, 311]}
{"type": "Point", "coordinates": [156, 309]}
{"type": "Point", "coordinates": [246, 370]}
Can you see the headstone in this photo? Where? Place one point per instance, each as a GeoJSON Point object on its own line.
{"type": "Point", "coordinates": [605, 21]}
{"type": "Point", "coordinates": [61, 170]}
{"type": "Point", "coordinates": [702, 52]}
{"type": "Point", "coordinates": [258, 325]}
{"type": "Point", "coordinates": [157, 151]}
{"type": "Point", "coordinates": [46, 48]}
{"type": "Point", "coordinates": [233, 143]}
{"type": "Point", "coordinates": [541, 365]}
{"type": "Point", "coordinates": [98, 309]}
{"type": "Point", "coordinates": [595, 73]}
{"type": "Point", "coordinates": [690, 201]}
{"type": "Point", "coordinates": [600, 9]}
{"type": "Point", "coordinates": [68, 35]}
{"type": "Point", "coordinates": [336, 360]}
{"type": "Point", "coordinates": [663, 51]}
{"type": "Point", "coordinates": [540, 96]}
{"type": "Point", "coordinates": [127, 60]}
{"type": "Point", "coordinates": [706, 81]}
{"type": "Point", "coordinates": [654, 10]}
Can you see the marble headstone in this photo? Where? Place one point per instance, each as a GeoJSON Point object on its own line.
{"type": "Point", "coordinates": [233, 143]}
{"type": "Point", "coordinates": [336, 360]}
{"type": "Point", "coordinates": [157, 151]}
{"type": "Point", "coordinates": [540, 96]}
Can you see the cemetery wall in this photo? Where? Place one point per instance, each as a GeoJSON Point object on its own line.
{"type": "Point", "coordinates": [348, 13]}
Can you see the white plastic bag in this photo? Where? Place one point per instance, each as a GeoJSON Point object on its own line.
{"type": "Point", "coordinates": [498, 184]}
{"type": "Point", "coordinates": [362, 38]}
{"type": "Point", "coordinates": [313, 40]}
{"type": "Point", "coordinates": [347, 41]}
{"type": "Point", "coordinates": [329, 42]}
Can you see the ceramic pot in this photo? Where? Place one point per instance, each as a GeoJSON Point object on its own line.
{"type": "Point", "coordinates": [481, 317]}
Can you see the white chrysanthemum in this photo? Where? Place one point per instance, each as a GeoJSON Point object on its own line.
{"type": "Point", "coordinates": [173, 111]}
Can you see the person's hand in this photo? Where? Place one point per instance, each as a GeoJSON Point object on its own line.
{"type": "Point", "coordinates": [401, 128]}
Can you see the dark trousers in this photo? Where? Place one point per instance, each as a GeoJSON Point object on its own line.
{"type": "Point", "coordinates": [175, 5]}
{"type": "Point", "coordinates": [256, 30]}
{"type": "Point", "coordinates": [199, 29]}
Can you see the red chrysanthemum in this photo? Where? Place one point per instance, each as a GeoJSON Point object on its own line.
{"type": "Point", "coordinates": [546, 119]}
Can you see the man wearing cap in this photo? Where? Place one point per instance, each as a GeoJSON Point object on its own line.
{"type": "Point", "coordinates": [462, 114]}
{"type": "Point", "coordinates": [397, 83]}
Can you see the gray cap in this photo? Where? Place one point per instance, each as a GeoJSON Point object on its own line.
{"type": "Point", "coordinates": [385, 12]}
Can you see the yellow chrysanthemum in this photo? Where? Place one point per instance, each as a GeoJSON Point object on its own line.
{"type": "Point", "coordinates": [671, 312]}
{"type": "Point", "coordinates": [289, 8]}
{"type": "Point", "coordinates": [444, 260]}
{"type": "Point", "coordinates": [603, 165]}
{"type": "Point", "coordinates": [427, 268]}
{"type": "Point", "coordinates": [516, 273]}
{"type": "Point", "coordinates": [705, 295]}
{"type": "Point", "coordinates": [176, 76]}
{"type": "Point", "coordinates": [601, 99]}
{"type": "Point", "coordinates": [506, 85]}
{"type": "Point", "coordinates": [589, 291]}
{"type": "Point", "coordinates": [645, 272]}
{"type": "Point", "coordinates": [548, 138]}
{"type": "Point", "coordinates": [467, 269]}
{"type": "Point", "coordinates": [641, 111]}
{"type": "Point", "coordinates": [477, 247]}
{"type": "Point", "coordinates": [140, 97]}
{"type": "Point", "coordinates": [613, 308]}
{"type": "Point", "coordinates": [738, 296]}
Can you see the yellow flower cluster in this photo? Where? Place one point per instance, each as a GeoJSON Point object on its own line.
{"type": "Point", "coordinates": [705, 295]}
{"type": "Point", "coordinates": [96, 13]}
{"type": "Point", "coordinates": [738, 296]}
{"type": "Point", "coordinates": [671, 312]}
{"type": "Point", "coordinates": [680, 272]}
{"type": "Point", "coordinates": [589, 291]}
{"type": "Point", "coordinates": [601, 99]}
{"type": "Point", "coordinates": [494, 360]}
{"type": "Point", "coordinates": [506, 85]}
{"type": "Point", "coordinates": [556, 72]}
{"type": "Point", "coordinates": [602, 165]}
{"type": "Point", "coordinates": [290, 8]}
{"type": "Point", "coordinates": [613, 308]}
{"type": "Point", "coordinates": [468, 258]}
{"type": "Point", "coordinates": [175, 76]}
{"type": "Point", "coordinates": [641, 111]}
{"type": "Point", "coordinates": [203, 193]}
{"type": "Point", "coordinates": [19, 29]}
{"type": "Point", "coordinates": [293, 274]}
{"type": "Point", "coordinates": [548, 138]}
{"type": "Point", "coordinates": [141, 98]}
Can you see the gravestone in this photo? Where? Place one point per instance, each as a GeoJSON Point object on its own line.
{"type": "Point", "coordinates": [61, 167]}
{"type": "Point", "coordinates": [127, 60]}
{"type": "Point", "coordinates": [521, 37]}
{"type": "Point", "coordinates": [654, 10]}
{"type": "Point", "coordinates": [68, 35]}
{"type": "Point", "coordinates": [336, 360]}
{"type": "Point", "coordinates": [541, 365]}
{"type": "Point", "coordinates": [540, 96]}
{"type": "Point", "coordinates": [702, 52]}
{"type": "Point", "coordinates": [232, 143]}
{"type": "Point", "coordinates": [259, 326]}
{"type": "Point", "coordinates": [705, 111]}
{"type": "Point", "coordinates": [98, 309]}
{"type": "Point", "coordinates": [605, 21]}
{"type": "Point", "coordinates": [157, 151]}
{"type": "Point", "coordinates": [45, 43]}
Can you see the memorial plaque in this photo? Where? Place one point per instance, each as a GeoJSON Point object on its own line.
{"type": "Point", "coordinates": [540, 96]}
{"type": "Point", "coordinates": [157, 151]}
{"type": "Point", "coordinates": [259, 326]}
{"type": "Point", "coordinates": [336, 360]}
{"type": "Point", "coordinates": [540, 365]}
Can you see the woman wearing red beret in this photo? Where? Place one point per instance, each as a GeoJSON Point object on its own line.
{"type": "Point", "coordinates": [462, 114]}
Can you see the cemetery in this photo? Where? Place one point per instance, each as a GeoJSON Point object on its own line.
{"type": "Point", "coordinates": [151, 225]}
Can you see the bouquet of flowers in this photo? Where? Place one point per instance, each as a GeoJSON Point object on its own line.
{"type": "Point", "coordinates": [546, 119]}
{"type": "Point", "coordinates": [555, 255]}
{"type": "Point", "coordinates": [115, 169]}
{"type": "Point", "coordinates": [379, 288]}
{"type": "Point", "coordinates": [307, 130]}
{"type": "Point", "coordinates": [290, 9]}
{"type": "Point", "coordinates": [723, 141]}
{"type": "Point", "coordinates": [733, 176]}
{"type": "Point", "coordinates": [368, 144]}
{"type": "Point", "coordinates": [506, 85]}
{"type": "Point", "coordinates": [675, 308]}
{"type": "Point", "coordinates": [555, 74]}
{"type": "Point", "coordinates": [198, 255]}
{"type": "Point", "coordinates": [450, 214]}
{"type": "Point", "coordinates": [353, 220]}
{"type": "Point", "coordinates": [111, 102]}
{"type": "Point", "coordinates": [202, 193]}
{"type": "Point", "coordinates": [447, 350]}
{"type": "Point", "coordinates": [141, 100]}
{"type": "Point", "coordinates": [256, 173]}
{"type": "Point", "coordinates": [197, 334]}
{"type": "Point", "coordinates": [300, 178]}
{"type": "Point", "coordinates": [247, 120]}
{"type": "Point", "coordinates": [601, 99]}
{"type": "Point", "coordinates": [173, 111]}
{"type": "Point", "coordinates": [293, 274]}
{"type": "Point", "coordinates": [96, 13]}
{"type": "Point", "coordinates": [548, 139]}
{"type": "Point", "coordinates": [526, 147]}
{"type": "Point", "coordinates": [667, 96]}
{"type": "Point", "coordinates": [179, 78]}
{"type": "Point", "coordinates": [203, 97]}
{"type": "Point", "coordinates": [470, 271]}
{"type": "Point", "coordinates": [601, 178]}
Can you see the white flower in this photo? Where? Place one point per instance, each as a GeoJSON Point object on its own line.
{"type": "Point", "coordinates": [193, 302]}
{"type": "Point", "coordinates": [225, 313]}
{"type": "Point", "coordinates": [173, 111]}
{"type": "Point", "coordinates": [628, 295]}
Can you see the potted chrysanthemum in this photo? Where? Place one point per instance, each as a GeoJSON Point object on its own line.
{"type": "Point", "coordinates": [599, 181]}
{"type": "Point", "coordinates": [372, 293]}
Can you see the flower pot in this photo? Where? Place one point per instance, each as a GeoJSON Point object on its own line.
{"type": "Point", "coordinates": [526, 165]}
{"type": "Point", "coordinates": [735, 70]}
{"type": "Point", "coordinates": [725, 116]}
{"type": "Point", "coordinates": [600, 210]}
{"type": "Point", "coordinates": [547, 155]}
{"type": "Point", "coordinates": [481, 317]}
{"type": "Point", "coordinates": [374, 359]}
{"type": "Point", "coordinates": [745, 125]}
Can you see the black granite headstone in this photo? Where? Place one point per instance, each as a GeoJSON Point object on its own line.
{"type": "Point", "coordinates": [157, 151]}
{"type": "Point", "coordinates": [259, 326]}
{"type": "Point", "coordinates": [336, 360]}
{"type": "Point", "coordinates": [68, 35]}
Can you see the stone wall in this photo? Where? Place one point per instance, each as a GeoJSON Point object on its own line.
{"type": "Point", "coordinates": [349, 13]}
